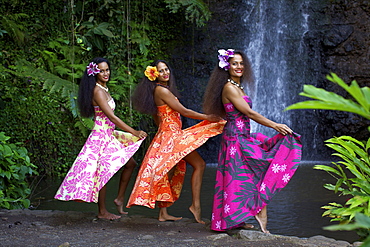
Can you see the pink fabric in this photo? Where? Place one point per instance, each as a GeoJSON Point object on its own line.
{"type": "Point", "coordinates": [252, 168]}
{"type": "Point", "coordinates": [104, 153]}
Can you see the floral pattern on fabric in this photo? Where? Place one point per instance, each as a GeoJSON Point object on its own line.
{"type": "Point", "coordinates": [105, 151]}
{"type": "Point", "coordinates": [169, 146]}
{"type": "Point", "coordinates": [252, 168]}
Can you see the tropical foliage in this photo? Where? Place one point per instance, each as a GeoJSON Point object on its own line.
{"type": "Point", "coordinates": [332, 101]}
{"type": "Point", "coordinates": [46, 47]}
{"type": "Point", "coordinates": [362, 223]}
{"type": "Point", "coordinates": [15, 168]}
{"type": "Point", "coordinates": [352, 172]}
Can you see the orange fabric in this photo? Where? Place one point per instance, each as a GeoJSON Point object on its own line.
{"type": "Point", "coordinates": [170, 144]}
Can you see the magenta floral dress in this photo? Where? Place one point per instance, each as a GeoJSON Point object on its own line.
{"type": "Point", "coordinates": [252, 168]}
{"type": "Point", "coordinates": [104, 153]}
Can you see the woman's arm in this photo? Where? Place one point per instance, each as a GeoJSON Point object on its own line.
{"type": "Point", "coordinates": [164, 96]}
{"type": "Point", "coordinates": [232, 94]}
{"type": "Point", "coordinates": [100, 99]}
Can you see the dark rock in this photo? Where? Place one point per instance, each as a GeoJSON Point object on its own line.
{"type": "Point", "coordinates": [337, 35]}
{"type": "Point", "coordinates": [319, 37]}
{"type": "Point", "coordinates": [140, 231]}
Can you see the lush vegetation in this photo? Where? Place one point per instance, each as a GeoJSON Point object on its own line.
{"type": "Point", "coordinates": [352, 172]}
{"type": "Point", "coordinates": [15, 168]}
{"type": "Point", "coordinates": [45, 46]}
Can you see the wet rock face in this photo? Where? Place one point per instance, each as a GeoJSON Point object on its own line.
{"type": "Point", "coordinates": [344, 50]}
{"type": "Point", "coordinates": [337, 36]}
{"type": "Point", "coordinates": [337, 40]}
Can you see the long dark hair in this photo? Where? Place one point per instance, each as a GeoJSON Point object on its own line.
{"type": "Point", "coordinates": [143, 96]}
{"type": "Point", "coordinates": [86, 90]}
{"type": "Point", "coordinates": [212, 101]}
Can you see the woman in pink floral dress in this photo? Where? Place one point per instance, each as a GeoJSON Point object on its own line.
{"type": "Point", "coordinates": [252, 168]}
{"type": "Point", "coordinates": [106, 149]}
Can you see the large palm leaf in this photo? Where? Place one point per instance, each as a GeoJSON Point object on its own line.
{"type": "Point", "coordinates": [325, 100]}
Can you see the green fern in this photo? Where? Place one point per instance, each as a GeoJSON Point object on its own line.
{"type": "Point", "coordinates": [51, 82]}
{"type": "Point", "coordinates": [13, 26]}
{"type": "Point", "coordinates": [196, 11]}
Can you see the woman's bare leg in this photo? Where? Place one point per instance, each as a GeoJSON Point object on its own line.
{"type": "Point", "coordinates": [261, 217]}
{"type": "Point", "coordinates": [123, 182]}
{"type": "Point", "coordinates": [164, 216]}
{"type": "Point", "coordinates": [198, 164]}
{"type": "Point", "coordinates": [103, 212]}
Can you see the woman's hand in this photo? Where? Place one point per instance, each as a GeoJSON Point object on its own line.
{"type": "Point", "coordinates": [213, 118]}
{"type": "Point", "coordinates": [283, 129]}
{"type": "Point", "coordinates": [141, 134]}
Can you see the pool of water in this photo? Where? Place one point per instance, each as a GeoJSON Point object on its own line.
{"type": "Point", "coordinates": [295, 211]}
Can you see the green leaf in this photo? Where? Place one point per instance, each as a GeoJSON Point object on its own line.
{"type": "Point", "coordinates": [338, 184]}
{"type": "Point", "coordinates": [331, 101]}
{"type": "Point", "coordinates": [366, 93]}
{"type": "Point", "coordinates": [346, 227]}
{"type": "Point", "coordinates": [367, 144]}
{"type": "Point", "coordinates": [356, 201]}
{"type": "Point", "coordinates": [7, 174]}
{"type": "Point", "coordinates": [327, 168]}
{"type": "Point", "coordinates": [342, 150]}
{"type": "Point", "coordinates": [7, 151]}
{"type": "Point", "coordinates": [362, 220]}
{"type": "Point", "coordinates": [350, 138]}
{"type": "Point", "coordinates": [26, 203]}
{"type": "Point", "coordinates": [61, 70]}
{"type": "Point", "coordinates": [354, 90]}
{"type": "Point", "coordinates": [335, 204]}
{"type": "Point", "coordinates": [332, 187]}
{"type": "Point", "coordinates": [363, 184]}
{"type": "Point", "coordinates": [107, 33]}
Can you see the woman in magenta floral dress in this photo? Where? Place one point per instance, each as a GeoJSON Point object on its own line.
{"type": "Point", "coordinates": [252, 168]}
{"type": "Point", "coordinates": [106, 150]}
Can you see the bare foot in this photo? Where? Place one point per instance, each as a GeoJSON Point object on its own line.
{"type": "Point", "coordinates": [169, 217]}
{"type": "Point", "coordinates": [164, 216]}
{"type": "Point", "coordinates": [247, 226]}
{"type": "Point", "coordinates": [197, 214]}
{"type": "Point", "coordinates": [262, 222]}
{"type": "Point", "coordinates": [119, 206]}
{"type": "Point", "coordinates": [108, 216]}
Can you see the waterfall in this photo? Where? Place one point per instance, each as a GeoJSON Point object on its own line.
{"type": "Point", "coordinates": [280, 61]}
{"type": "Point", "coordinates": [276, 30]}
{"type": "Point", "coordinates": [276, 37]}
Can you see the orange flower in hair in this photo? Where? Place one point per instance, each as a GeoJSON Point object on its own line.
{"type": "Point", "coordinates": [151, 72]}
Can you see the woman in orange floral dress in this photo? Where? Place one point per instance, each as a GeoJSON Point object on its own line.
{"type": "Point", "coordinates": [162, 171]}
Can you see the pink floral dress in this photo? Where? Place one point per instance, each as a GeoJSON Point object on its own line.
{"type": "Point", "coordinates": [106, 150]}
{"type": "Point", "coordinates": [251, 169]}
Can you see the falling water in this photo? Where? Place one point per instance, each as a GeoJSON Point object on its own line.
{"type": "Point", "coordinates": [277, 51]}
{"type": "Point", "coordinates": [274, 34]}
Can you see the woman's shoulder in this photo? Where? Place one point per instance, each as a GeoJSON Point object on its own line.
{"type": "Point", "coordinates": [100, 94]}
{"type": "Point", "coordinates": [228, 86]}
{"type": "Point", "coordinates": [230, 89]}
{"type": "Point", "coordinates": [230, 92]}
{"type": "Point", "coordinates": [162, 90]}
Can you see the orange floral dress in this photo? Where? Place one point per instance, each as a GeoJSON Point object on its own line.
{"type": "Point", "coordinates": [169, 146]}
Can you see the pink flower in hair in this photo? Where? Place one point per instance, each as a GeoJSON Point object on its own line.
{"type": "Point", "coordinates": [92, 69]}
